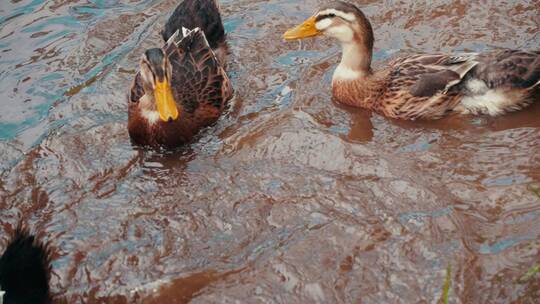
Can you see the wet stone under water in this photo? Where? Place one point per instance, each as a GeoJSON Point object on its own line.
{"type": "Point", "coordinates": [289, 198]}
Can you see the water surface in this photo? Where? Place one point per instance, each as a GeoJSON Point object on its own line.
{"type": "Point", "coordinates": [289, 198]}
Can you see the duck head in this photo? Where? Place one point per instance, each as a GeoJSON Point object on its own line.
{"type": "Point", "coordinates": [156, 74]}
{"type": "Point", "coordinates": [346, 23]}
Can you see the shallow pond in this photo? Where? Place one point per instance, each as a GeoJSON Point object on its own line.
{"type": "Point", "coordinates": [289, 198]}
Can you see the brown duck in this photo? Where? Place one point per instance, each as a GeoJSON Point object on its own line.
{"type": "Point", "coordinates": [181, 87]}
{"type": "Point", "coordinates": [422, 86]}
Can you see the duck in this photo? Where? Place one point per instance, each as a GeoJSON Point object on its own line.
{"type": "Point", "coordinates": [181, 87]}
{"type": "Point", "coordinates": [421, 86]}
{"type": "Point", "coordinates": [25, 270]}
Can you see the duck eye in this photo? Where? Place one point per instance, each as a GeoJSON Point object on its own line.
{"type": "Point", "coordinates": [325, 16]}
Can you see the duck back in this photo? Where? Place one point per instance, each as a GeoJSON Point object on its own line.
{"type": "Point", "coordinates": [191, 14]}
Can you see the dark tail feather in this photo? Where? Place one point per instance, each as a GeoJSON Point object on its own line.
{"type": "Point", "coordinates": [509, 68]}
{"type": "Point", "coordinates": [532, 78]}
{"type": "Point", "coordinates": [191, 14]}
{"type": "Point", "coordinates": [25, 270]}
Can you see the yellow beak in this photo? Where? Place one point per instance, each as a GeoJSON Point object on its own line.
{"type": "Point", "coordinates": [304, 30]}
{"type": "Point", "coordinates": [166, 105]}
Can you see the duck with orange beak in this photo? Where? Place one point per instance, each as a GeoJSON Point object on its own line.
{"type": "Point", "coordinates": [181, 87]}
{"type": "Point", "coordinates": [421, 86]}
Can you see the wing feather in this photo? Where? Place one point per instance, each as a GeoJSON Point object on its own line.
{"type": "Point", "coordinates": [203, 14]}
{"type": "Point", "coordinates": [198, 78]}
{"type": "Point", "coordinates": [509, 68]}
{"type": "Point", "coordinates": [427, 75]}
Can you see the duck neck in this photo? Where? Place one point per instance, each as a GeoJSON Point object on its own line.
{"type": "Point", "coordinates": [355, 61]}
{"type": "Point", "coordinates": [354, 82]}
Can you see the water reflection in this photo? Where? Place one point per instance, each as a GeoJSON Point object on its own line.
{"type": "Point", "coordinates": [289, 197]}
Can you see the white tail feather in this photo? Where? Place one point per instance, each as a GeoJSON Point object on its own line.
{"type": "Point", "coordinates": [173, 38]}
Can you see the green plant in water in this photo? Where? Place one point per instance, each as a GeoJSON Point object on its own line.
{"type": "Point", "coordinates": [534, 190]}
{"type": "Point", "coordinates": [533, 245]}
{"type": "Point", "coordinates": [529, 274]}
{"type": "Point", "coordinates": [447, 284]}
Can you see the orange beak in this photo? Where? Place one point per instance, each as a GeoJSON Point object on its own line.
{"type": "Point", "coordinates": [165, 102]}
{"type": "Point", "coordinates": [304, 30]}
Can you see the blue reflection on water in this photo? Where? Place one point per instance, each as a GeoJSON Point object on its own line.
{"type": "Point", "coordinates": [59, 37]}
{"type": "Point", "coordinates": [420, 215]}
{"type": "Point", "coordinates": [502, 245]}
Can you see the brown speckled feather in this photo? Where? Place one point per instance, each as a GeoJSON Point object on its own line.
{"type": "Point", "coordinates": [200, 87]}
{"type": "Point", "coordinates": [431, 86]}
{"type": "Point", "coordinates": [508, 68]}
{"type": "Point", "coordinates": [409, 88]}
{"type": "Point", "coordinates": [198, 79]}
{"type": "Point", "coordinates": [136, 92]}
{"type": "Point", "coordinates": [422, 85]}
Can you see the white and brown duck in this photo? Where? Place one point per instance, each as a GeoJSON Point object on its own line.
{"type": "Point", "coordinates": [421, 86]}
{"type": "Point", "coordinates": [181, 87]}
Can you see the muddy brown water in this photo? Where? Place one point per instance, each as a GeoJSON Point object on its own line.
{"type": "Point", "coordinates": [289, 198]}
